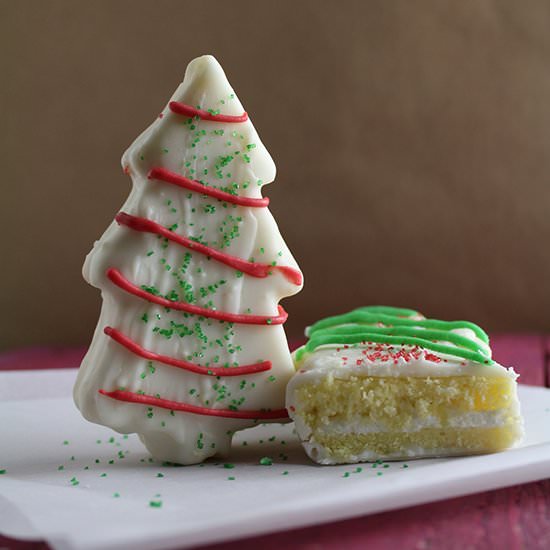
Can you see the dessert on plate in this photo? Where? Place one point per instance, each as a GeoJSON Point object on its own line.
{"type": "Point", "coordinates": [190, 345]}
{"type": "Point", "coordinates": [385, 383]}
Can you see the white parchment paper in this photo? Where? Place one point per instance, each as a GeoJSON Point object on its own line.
{"type": "Point", "coordinates": [82, 486]}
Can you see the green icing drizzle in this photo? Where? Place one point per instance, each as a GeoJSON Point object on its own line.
{"type": "Point", "coordinates": [389, 325]}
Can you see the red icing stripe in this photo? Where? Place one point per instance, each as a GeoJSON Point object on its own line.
{"type": "Point", "coordinates": [135, 348]}
{"type": "Point", "coordinates": [194, 185]}
{"type": "Point", "coordinates": [250, 268]}
{"type": "Point", "coordinates": [142, 399]}
{"type": "Point", "coordinates": [187, 110]}
{"type": "Point", "coordinates": [116, 277]}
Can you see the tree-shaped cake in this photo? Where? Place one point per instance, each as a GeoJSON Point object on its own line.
{"type": "Point", "coordinates": [190, 345]}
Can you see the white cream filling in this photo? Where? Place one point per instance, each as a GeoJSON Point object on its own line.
{"type": "Point", "coordinates": [482, 419]}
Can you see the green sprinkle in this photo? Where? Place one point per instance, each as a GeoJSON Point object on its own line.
{"type": "Point", "coordinates": [346, 474]}
{"type": "Point", "coordinates": [405, 466]}
{"type": "Point", "coordinates": [285, 473]}
{"type": "Point", "coordinates": [379, 473]}
{"type": "Point", "coordinates": [2, 472]}
{"type": "Point", "coordinates": [155, 503]}
{"type": "Point", "coordinates": [251, 146]}
{"type": "Point", "coordinates": [160, 475]}
{"type": "Point", "coordinates": [266, 461]}
{"type": "Point", "coordinates": [358, 470]}
{"type": "Point", "coordinates": [65, 442]}
{"type": "Point", "coordinates": [116, 495]}
{"type": "Point", "coordinates": [59, 468]}
{"type": "Point", "coordinates": [103, 475]}
{"type": "Point", "coordinates": [231, 478]}
{"type": "Point", "coordinates": [229, 466]}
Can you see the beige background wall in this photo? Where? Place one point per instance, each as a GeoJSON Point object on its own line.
{"type": "Point", "coordinates": [412, 141]}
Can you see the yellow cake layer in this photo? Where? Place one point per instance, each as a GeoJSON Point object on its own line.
{"type": "Point", "coordinates": [398, 403]}
{"type": "Point", "coordinates": [432, 442]}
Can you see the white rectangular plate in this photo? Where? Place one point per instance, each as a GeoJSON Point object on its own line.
{"type": "Point", "coordinates": [54, 486]}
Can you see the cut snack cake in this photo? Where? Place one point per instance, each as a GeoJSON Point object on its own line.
{"type": "Point", "coordinates": [383, 383]}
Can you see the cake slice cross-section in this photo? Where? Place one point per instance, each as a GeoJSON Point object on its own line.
{"type": "Point", "coordinates": [385, 383]}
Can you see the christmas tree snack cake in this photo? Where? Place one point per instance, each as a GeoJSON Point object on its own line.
{"type": "Point", "coordinates": [190, 345]}
{"type": "Point", "coordinates": [383, 383]}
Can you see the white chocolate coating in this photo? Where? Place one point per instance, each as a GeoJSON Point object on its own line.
{"type": "Point", "coordinates": [220, 155]}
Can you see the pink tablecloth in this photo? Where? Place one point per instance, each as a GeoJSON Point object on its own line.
{"type": "Point", "coordinates": [517, 517]}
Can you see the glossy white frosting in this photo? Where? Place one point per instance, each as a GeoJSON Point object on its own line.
{"type": "Point", "coordinates": [342, 361]}
{"type": "Point", "coordinates": [220, 155]}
